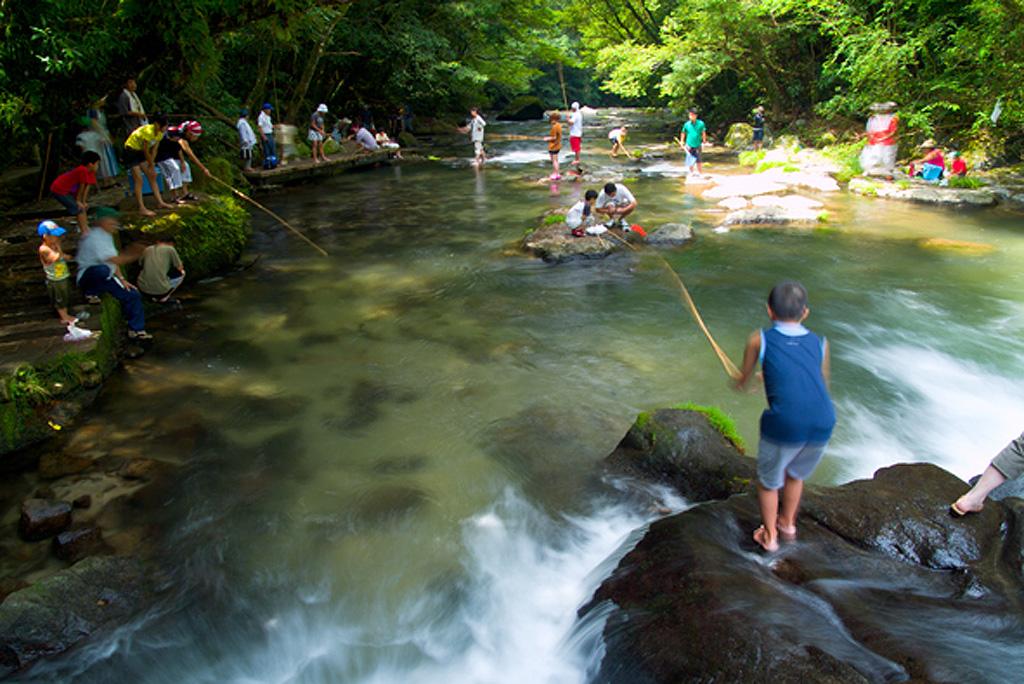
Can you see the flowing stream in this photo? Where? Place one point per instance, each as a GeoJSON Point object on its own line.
{"type": "Point", "coordinates": [390, 475]}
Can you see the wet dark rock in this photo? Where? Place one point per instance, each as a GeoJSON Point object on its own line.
{"type": "Point", "coordinates": [43, 518]}
{"type": "Point", "coordinates": [44, 492]}
{"type": "Point", "coordinates": [58, 464]}
{"type": "Point", "coordinates": [365, 404]}
{"type": "Point", "coordinates": [883, 585]}
{"type": "Point", "coordinates": [65, 609]}
{"type": "Point", "coordinates": [83, 502]}
{"type": "Point", "coordinates": [681, 449]}
{"type": "Point", "coordinates": [75, 544]}
{"type": "Point", "coordinates": [134, 351]}
{"type": "Point", "coordinates": [140, 469]}
{"type": "Point", "coordinates": [524, 108]}
{"type": "Point", "coordinates": [554, 242]}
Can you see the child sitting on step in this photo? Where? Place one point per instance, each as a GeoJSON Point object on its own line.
{"type": "Point", "coordinates": [798, 423]}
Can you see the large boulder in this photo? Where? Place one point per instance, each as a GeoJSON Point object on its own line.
{"type": "Point", "coordinates": [525, 108]}
{"type": "Point", "coordinates": [880, 586]}
{"type": "Point", "coordinates": [740, 136]}
{"type": "Point", "coordinates": [67, 608]}
{"type": "Point", "coordinates": [554, 242]}
{"type": "Point", "coordinates": [914, 191]}
{"type": "Point", "coordinates": [680, 448]}
{"type": "Point", "coordinates": [772, 215]}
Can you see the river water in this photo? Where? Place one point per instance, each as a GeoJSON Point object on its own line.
{"type": "Point", "coordinates": [394, 475]}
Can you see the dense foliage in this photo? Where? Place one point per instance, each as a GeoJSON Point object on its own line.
{"type": "Point", "coordinates": [946, 62]}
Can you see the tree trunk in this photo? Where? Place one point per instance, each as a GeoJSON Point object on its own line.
{"type": "Point", "coordinates": [561, 81]}
{"type": "Point", "coordinates": [310, 70]}
{"type": "Point", "coordinates": [256, 95]}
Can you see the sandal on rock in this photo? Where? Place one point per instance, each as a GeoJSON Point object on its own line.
{"type": "Point", "coordinates": [958, 512]}
{"type": "Point", "coordinates": [761, 538]}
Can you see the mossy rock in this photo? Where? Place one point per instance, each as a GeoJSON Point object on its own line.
{"type": "Point", "coordinates": [331, 146]}
{"type": "Point", "coordinates": [524, 108]}
{"type": "Point", "coordinates": [788, 142]}
{"type": "Point", "coordinates": [223, 169]}
{"type": "Point", "coordinates": [740, 136]}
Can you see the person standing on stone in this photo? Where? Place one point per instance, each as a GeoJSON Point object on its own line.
{"type": "Point", "coordinates": [140, 157]}
{"type": "Point", "coordinates": [554, 141]}
{"type": "Point", "coordinates": [71, 188]}
{"type": "Point", "coordinates": [55, 267]}
{"type": "Point", "coordinates": [317, 134]}
{"type": "Point", "coordinates": [798, 423]}
{"type": "Point", "coordinates": [1007, 465]}
{"type": "Point", "coordinates": [693, 138]}
{"type": "Point", "coordinates": [246, 138]}
{"type": "Point", "coordinates": [266, 126]}
{"type": "Point", "coordinates": [133, 114]}
{"type": "Point", "coordinates": [99, 271]}
{"type": "Point", "coordinates": [576, 132]}
{"type": "Point", "coordinates": [758, 128]}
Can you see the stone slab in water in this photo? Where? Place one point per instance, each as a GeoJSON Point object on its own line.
{"type": "Point", "coordinates": [556, 243]}
{"type": "Point", "coordinates": [771, 215]}
{"type": "Point", "coordinates": [920, 192]}
{"type": "Point", "coordinates": [671, 234]}
{"type": "Point", "coordinates": [42, 518]}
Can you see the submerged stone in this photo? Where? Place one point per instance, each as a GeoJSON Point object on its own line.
{"type": "Point", "coordinates": [42, 518]}
{"type": "Point", "coordinates": [917, 191]}
{"type": "Point", "coordinates": [671, 234]}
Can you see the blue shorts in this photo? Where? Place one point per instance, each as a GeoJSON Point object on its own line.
{"type": "Point", "coordinates": [758, 134]}
{"type": "Point", "coordinates": [776, 461]}
{"type": "Point", "coordinates": [69, 203]}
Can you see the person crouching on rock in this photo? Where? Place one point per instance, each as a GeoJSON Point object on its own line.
{"type": "Point", "coordinates": [581, 216]}
{"type": "Point", "coordinates": [1007, 465]}
{"type": "Point", "coordinates": [616, 202]}
{"type": "Point", "coordinates": [798, 423]}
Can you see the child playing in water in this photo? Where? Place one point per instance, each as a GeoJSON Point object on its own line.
{"type": "Point", "coordinates": [617, 137]}
{"type": "Point", "coordinates": [554, 141]}
{"type": "Point", "coordinates": [798, 423]}
{"type": "Point", "coordinates": [581, 216]}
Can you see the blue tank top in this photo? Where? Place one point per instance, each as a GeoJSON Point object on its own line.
{"type": "Point", "coordinates": [799, 407]}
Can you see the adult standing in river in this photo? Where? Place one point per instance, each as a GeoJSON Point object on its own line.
{"type": "Point", "coordinates": [576, 132]}
{"type": "Point", "coordinates": [693, 137]}
{"type": "Point", "coordinates": [133, 114]}
{"type": "Point", "coordinates": [475, 129]}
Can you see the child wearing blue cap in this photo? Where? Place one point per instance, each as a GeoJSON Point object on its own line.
{"type": "Point", "coordinates": [55, 266]}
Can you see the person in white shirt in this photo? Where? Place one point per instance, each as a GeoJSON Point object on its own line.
{"type": "Point", "coordinates": [246, 138]}
{"type": "Point", "coordinates": [581, 217]}
{"type": "Point", "coordinates": [576, 132]}
{"type": "Point", "coordinates": [617, 137]}
{"type": "Point", "coordinates": [616, 202]}
{"type": "Point", "coordinates": [266, 126]}
{"type": "Point", "coordinates": [475, 129]}
{"type": "Point", "coordinates": [364, 137]}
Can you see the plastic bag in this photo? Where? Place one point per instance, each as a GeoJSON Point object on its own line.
{"type": "Point", "coordinates": [76, 334]}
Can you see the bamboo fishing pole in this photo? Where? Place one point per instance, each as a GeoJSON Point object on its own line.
{"type": "Point", "coordinates": [727, 364]}
{"type": "Point", "coordinates": [274, 215]}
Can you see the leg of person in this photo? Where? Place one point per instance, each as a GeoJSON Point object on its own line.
{"type": "Point", "coordinates": [800, 464]}
{"type": "Point", "coordinates": [1007, 465]}
{"type": "Point", "coordinates": [772, 460]}
{"type": "Point", "coordinates": [83, 222]}
{"type": "Point", "coordinates": [554, 165]}
{"type": "Point", "coordinates": [154, 187]}
{"type": "Point", "coordinates": [60, 297]}
{"type": "Point", "coordinates": [172, 176]}
{"type": "Point", "coordinates": [792, 491]}
{"type": "Point", "coordinates": [186, 177]}
{"type": "Point", "coordinates": [695, 151]}
{"type": "Point", "coordinates": [175, 284]}
{"type": "Point", "coordinates": [137, 178]}
{"type": "Point", "coordinates": [131, 305]}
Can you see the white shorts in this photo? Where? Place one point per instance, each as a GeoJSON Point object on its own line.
{"type": "Point", "coordinates": [174, 174]}
{"type": "Point", "coordinates": [315, 137]}
{"type": "Point", "coordinates": [478, 147]}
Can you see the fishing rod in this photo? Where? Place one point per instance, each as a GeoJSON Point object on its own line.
{"type": "Point", "coordinates": [274, 215]}
{"type": "Point", "coordinates": [727, 364]}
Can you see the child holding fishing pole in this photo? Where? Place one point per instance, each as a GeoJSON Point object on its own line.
{"type": "Point", "coordinates": [798, 422]}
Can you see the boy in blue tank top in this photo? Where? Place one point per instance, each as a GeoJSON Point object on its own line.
{"type": "Point", "coordinates": [799, 419]}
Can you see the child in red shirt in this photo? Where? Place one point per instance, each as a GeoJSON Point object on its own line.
{"type": "Point", "coordinates": [72, 188]}
{"type": "Point", "coordinates": [959, 166]}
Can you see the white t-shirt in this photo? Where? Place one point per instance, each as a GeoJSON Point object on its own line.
{"type": "Point", "coordinates": [476, 128]}
{"type": "Point", "coordinates": [615, 134]}
{"type": "Point", "coordinates": [265, 123]}
{"type": "Point", "coordinates": [574, 219]}
{"type": "Point", "coordinates": [622, 197]}
{"type": "Point", "coordinates": [95, 249]}
{"type": "Point", "coordinates": [246, 137]}
{"type": "Point", "coordinates": [365, 138]}
{"type": "Point", "coordinates": [576, 124]}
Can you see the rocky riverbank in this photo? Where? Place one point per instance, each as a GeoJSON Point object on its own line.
{"type": "Point", "coordinates": [883, 585]}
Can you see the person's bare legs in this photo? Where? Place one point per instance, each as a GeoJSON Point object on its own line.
{"type": "Point", "coordinates": [83, 223]}
{"type": "Point", "coordinates": [66, 319]}
{"type": "Point", "coordinates": [792, 491]}
{"type": "Point", "coordinates": [974, 500]}
{"type": "Point", "coordinates": [137, 177]}
{"type": "Point", "coordinates": [767, 535]}
{"type": "Point", "coordinates": [151, 175]}
{"type": "Point", "coordinates": [554, 165]}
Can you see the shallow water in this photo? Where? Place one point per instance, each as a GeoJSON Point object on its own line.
{"type": "Point", "coordinates": [392, 479]}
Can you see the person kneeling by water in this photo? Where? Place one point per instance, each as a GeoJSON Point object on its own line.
{"type": "Point", "coordinates": [616, 202]}
{"type": "Point", "coordinates": [159, 262]}
{"type": "Point", "coordinates": [797, 425]}
{"type": "Point", "coordinates": [581, 217]}
{"type": "Point", "coordinates": [99, 271]}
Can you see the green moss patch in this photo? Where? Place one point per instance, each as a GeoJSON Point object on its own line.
{"type": "Point", "coordinates": [553, 219]}
{"type": "Point", "coordinates": [209, 236]}
{"type": "Point", "coordinates": [720, 420]}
